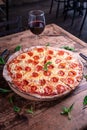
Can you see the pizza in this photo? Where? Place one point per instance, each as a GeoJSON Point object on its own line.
{"type": "Point", "coordinates": [43, 72]}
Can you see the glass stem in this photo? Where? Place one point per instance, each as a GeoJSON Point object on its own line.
{"type": "Point", "coordinates": [37, 40]}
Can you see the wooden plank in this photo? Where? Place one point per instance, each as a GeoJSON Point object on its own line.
{"type": "Point", "coordinates": [46, 114]}
{"type": "Point", "coordinates": [52, 119]}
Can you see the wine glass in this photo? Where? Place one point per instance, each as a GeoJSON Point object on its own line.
{"type": "Point", "coordinates": [36, 22]}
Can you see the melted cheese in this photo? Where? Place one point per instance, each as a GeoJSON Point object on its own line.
{"type": "Point", "coordinates": [54, 71]}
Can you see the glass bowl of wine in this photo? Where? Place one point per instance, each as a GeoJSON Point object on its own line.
{"type": "Point", "coordinates": [36, 21]}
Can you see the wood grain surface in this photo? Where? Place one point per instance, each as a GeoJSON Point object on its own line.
{"type": "Point", "coordinates": [46, 115]}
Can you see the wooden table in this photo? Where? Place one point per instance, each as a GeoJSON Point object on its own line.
{"type": "Point", "coordinates": [46, 115]}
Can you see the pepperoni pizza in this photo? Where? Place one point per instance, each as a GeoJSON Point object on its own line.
{"type": "Point", "coordinates": [43, 72]}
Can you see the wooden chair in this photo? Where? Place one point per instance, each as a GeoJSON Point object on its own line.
{"type": "Point", "coordinates": [83, 21]}
{"type": "Point", "coordinates": [79, 6]}
{"type": "Point", "coordinates": [75, 6]}
{"type": "Point", "coordinates": [11, 26]}
{"type": "Point", "coordinates": [58, 2]}
{"type": "Point", "coordinates": [2, 5]}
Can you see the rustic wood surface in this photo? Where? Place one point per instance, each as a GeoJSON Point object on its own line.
{"type": "Point", "coordinates": [46, 115]}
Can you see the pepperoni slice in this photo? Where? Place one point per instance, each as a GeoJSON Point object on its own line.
{"type": "Point", "coordinates": [70, 80]}
{"type": "Point", "coordinates": [68, 57]}
{"type": "Point", "coordinates": [18, 75]}
{"type": "Point", "coordinates": [27, 68]}
{"type": "Point", "coordinates": [61, 73]}
{"type": "Point", "coordinates": [22, 56]}
{"type": "Point", "coordinates": [35, 62]}
{"type": "Point", "coordinates": [30, 61]}
{"type": "Point", "coordinates": [18, 68]}
{"type": "Point", "coordinates": [34, 74]}
{"type": "Point", "coordinates": [57, 61]}
{"type": "Point", "coordinates": [73, 65]}
{"type": "Point", "coordinates": [48, 90]}
{"type": "Point", "coordinates": [45, 61]}
{"type": "Point", "coordinates": [50, 52]}
{"type": "Point", "coordinates": [60, 88]}
{"type": "Point", "coordinates": [42, 82]}
{"type": "Point", "coordinates": [72, 73]}
{"type": "Point", "coordinates": [48, 58]}
{"type": "Point", "coordinates": [39, 67]}
{"type": "Point", "coordinates": [8, 68]}
{"type": "Point", "coordinates": [50, 66]}
{"type": "Point", "coordinates": [36, 57]}
{"type": "Point", "coordinates": [62, 65]}
{"type": "Point", "coordinates": [54, 79]}
{"type": "Point", "coordinates": [17, 83]}
{"type": "Point", "coordinates": [24, 82]}
{"type": "Point", "coordinates": [47, 73]}
{"type": "Point", "coordinates": [30, 53]}
{"type": "Point", "coordinates": [16, 61]}
{"type": "Point", "coordinates": [40, 49]}
{"type": "Point", "coordinates": [33, 88]}
{"type": "Point", "coordinates": [60, 52]}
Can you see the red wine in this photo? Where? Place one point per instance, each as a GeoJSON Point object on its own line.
{"type": "Point", "coordinates": [37, 27]}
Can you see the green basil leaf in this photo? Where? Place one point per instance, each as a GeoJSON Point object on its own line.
{"type": "Point", "coordinates": [48, 44]}
{"type": "Point", "coordinates": [85, 101]}
{"type": "Point", "coordinates": [2, 90]}
{"type": "Point", "coordinates": [70, 108]}
{"type": "Point", "coordinates": [11, 100]}
{"type": "Point", "coordinates": [64, 111]}
{"type": "Point", "coordinates": [2, 61]}
{"type": "Point", "coordinates": [30, 110]}
{"type": "Point", "coordinates": [69, 48]}
{"type": "Point", "coordinates": [16, 109]}
{"type": "Point", "coordinates": [85, 76]}
{"type": "Point", "coordinates": [46, 65]}
{"type": "Point", "coordinates": [18, 48]}
{"type": "Point", "coordinates": [67, 111]}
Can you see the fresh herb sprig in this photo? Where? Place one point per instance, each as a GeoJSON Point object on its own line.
{"type": "Point", "coordinates": [67, 111]}
{"type": "Point", "coordinates": [48, 44]}
{"type": "Point", "coordinates": [30, 111]}
{"type": "Point", "coordinates": [2, 90]}
{"type": "Point", "coordinates": [11, 99]}
{"type": "Point", "coordinates": [17, 48]}
{"type": "Point", "coordinates": [16, 109]}
{"type": "Point", "coordinates": [2, 61]}
{"type": "Point", "coordinates": [69, 48]}
{"type": "Point", "coordinates": [85, 76]}
{"type": "Point", "coordinates": [46, 65]}
{"type": "Point", "coordinates": [85, 101]}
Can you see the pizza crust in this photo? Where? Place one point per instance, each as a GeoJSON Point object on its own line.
{"type": "Point", "coordinates": [37, 96]}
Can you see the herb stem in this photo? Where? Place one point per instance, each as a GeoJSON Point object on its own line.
{"type": "Point", "coordinates": [69, 115]}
